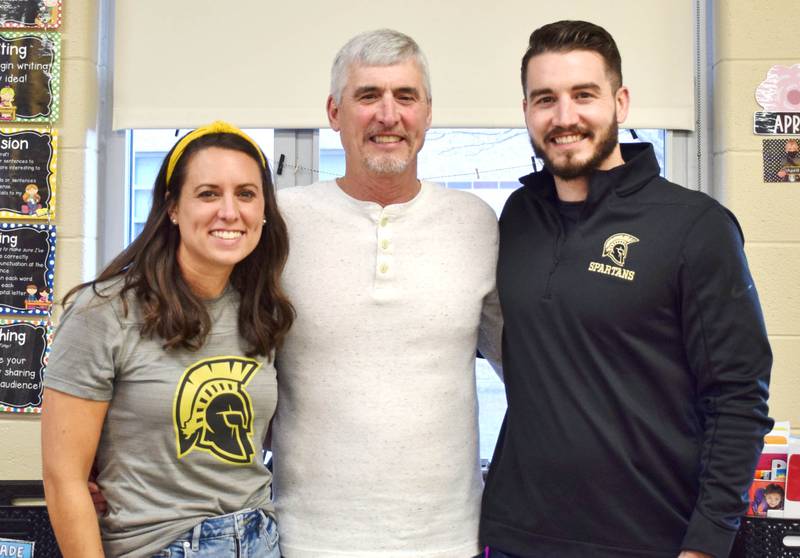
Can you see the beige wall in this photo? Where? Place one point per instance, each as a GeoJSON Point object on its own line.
{"type": "Point", "coordinates": [76, 209]}
{"type": "Point", "coordinates": [751, 37]}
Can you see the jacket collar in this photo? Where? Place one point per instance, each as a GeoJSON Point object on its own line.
{"type": "Point", "coordinates": [640, 167]}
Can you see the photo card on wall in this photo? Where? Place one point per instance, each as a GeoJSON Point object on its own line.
{"type": "Point", "coordinates": [781, 158]}
{"type": "Point", "coordinates": [27, 265]}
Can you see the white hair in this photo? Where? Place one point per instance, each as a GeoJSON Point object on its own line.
{"type": "Point", "coordinates": [383, 47]}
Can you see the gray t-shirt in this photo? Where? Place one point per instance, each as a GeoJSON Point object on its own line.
{"type": "Point", "coordinates": [183, 435]}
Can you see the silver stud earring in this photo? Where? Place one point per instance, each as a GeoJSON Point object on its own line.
{"type": "Point", "coordinates": [264, 222]}
{"type": "Point", "coordinates": [174, 221]}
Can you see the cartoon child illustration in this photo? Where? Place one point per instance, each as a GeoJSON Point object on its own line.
{"type": "Point", "coordinates": [790, 171]}
{"type": "Point", "coordinates": [32, 291]}
{"type": "Point", "coordinates": [773, 495]}
{"type": "Point", "coordinates": [31, 198]}
{"type": "Point", "coordinates": [44, 296]}
{"type": "Point", "coordinates": [8, 111]}
{"type": "Point", "coordinates": [7, 96]}
{"type": "Point", "coordinates": [47, 13]}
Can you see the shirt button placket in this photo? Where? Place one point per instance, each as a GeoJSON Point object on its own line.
{"type": "Point", "coordinates": [385, 261]}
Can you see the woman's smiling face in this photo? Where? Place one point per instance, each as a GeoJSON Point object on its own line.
{"type": "Point", "coordinates": [219, 212]}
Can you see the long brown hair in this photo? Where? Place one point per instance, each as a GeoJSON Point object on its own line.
{"type": "Point", "coordinates": [149, 266]}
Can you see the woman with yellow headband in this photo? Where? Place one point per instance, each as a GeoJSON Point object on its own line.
{"type": "Point", "coordinates": [161, 372]}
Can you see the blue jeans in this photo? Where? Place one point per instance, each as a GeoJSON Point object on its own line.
{"type": "Point", "coordinates": [244, 534]}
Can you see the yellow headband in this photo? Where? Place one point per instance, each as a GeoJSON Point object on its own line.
{"type": "Point", "coordinates": [218, 127]}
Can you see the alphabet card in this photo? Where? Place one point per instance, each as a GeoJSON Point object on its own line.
{"type": "Point", "coordinates": [28, 168]}
{"type": "Point", "coordinates": [31, 14]}
{"type": "Point", "coordinates": [27, 264]}
{"type": "Point", "coordinates": [24, 349]}
{"type": "Point", "coordinates": [30, 76]}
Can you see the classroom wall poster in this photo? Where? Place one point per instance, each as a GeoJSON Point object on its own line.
{"type": "Point", "coordinates": [779, 97]}
{"type": "Point", "coordinates": [31, 14]}
{"type": "Point", "coordinates": [27, 265]}
{"type": "Point", "coordinates": [24, 349]}
{"type": "Point", "coordinates": [30, 76]}
{"type": "Point", "coordinates": [28, 163]}
{"type": "Point", "coordinates": [781, 159]}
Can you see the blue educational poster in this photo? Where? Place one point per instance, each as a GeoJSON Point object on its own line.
{"type": "Point", "coordinates": [27, 265]}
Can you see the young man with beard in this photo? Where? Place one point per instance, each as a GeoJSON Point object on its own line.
{"type": "Point", "coordinates": [635, 356]}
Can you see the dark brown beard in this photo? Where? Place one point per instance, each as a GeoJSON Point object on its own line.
{"type": "Point", "coordinates": [571, 170]}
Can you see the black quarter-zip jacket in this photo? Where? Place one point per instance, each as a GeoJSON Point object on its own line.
{"type": "Point", "coordinates": [636, 365]}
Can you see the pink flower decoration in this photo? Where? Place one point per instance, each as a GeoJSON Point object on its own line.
{"type": "Point", "coordinates": [780, 92]}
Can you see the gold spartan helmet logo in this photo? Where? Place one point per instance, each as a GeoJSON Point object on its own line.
{"type": "Point", "coordinates": [212, 410]}
{"type": "Point", "coordinates": [616, 247]}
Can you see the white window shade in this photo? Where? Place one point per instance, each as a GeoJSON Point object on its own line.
{"type": "Point", "coordinates": [260, 63]}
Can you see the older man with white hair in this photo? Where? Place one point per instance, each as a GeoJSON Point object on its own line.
{"type": "Point", "coordinates": [376, 436]}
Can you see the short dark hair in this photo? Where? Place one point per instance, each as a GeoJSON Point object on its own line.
{"type": "Point", "coordinates": [568, 35]}
{"type": "Point", "coordinates": [773, 488]}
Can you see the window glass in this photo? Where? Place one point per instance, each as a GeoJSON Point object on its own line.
{"type": "Point", "coordinates": [147, 151]}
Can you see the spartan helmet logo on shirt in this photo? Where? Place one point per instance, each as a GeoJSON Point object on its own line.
{"type": "Point", "coordinates": [213, 412]}
{"type": "Point", "coordinates": [615, 247]}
